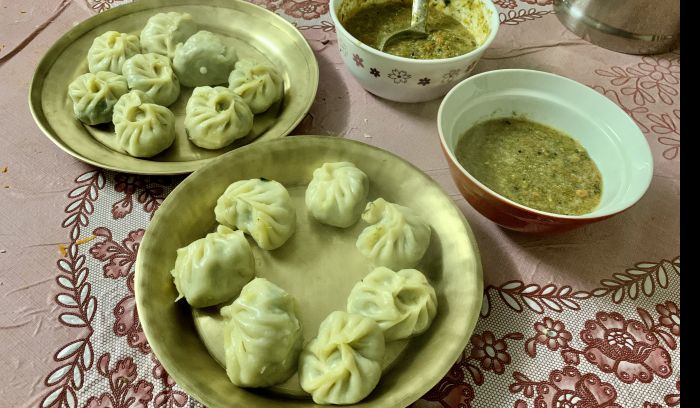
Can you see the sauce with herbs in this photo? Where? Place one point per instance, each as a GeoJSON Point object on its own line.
{"type": "Point", "coordinates": [447, 37]}
{"type": "Point", "coordinates": [531, 164]}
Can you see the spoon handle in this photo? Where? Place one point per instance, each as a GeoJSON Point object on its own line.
{"type": "Point", "coordinates": [419, 16]}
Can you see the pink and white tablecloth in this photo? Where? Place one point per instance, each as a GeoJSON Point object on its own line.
{"type": "Point", "coordinates": [590, 318]}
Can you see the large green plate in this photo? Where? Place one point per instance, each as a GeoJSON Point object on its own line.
{"type": "Point", "coordinates": [318, 266]}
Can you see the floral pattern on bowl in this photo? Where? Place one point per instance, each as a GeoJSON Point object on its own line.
{"type": "Point", "coordinates": [400, 77]}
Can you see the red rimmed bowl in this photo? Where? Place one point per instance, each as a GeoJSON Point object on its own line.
{"type": "Point", "coordinates": [610, 136]}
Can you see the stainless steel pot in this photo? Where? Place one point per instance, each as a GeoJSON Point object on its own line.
{"type": "Point", "coordinates": [628, 26]}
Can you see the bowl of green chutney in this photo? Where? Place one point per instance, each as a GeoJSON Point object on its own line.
{"type": "Point", "coordinates": [415, 70]}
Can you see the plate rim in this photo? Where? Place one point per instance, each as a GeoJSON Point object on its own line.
{"type": "Point", "coordinates": [472, 316]}
{"type": "Point", "coordinates": [181, 167]}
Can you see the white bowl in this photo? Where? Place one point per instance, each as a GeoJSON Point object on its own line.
{"type": "Point", "coordinates": [408, 80]}
{"type": "Point", "coordinates": [610, 136]}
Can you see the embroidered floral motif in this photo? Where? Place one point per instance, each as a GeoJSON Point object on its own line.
{"type": "Point", "coordinates": [124, 390]}
{"type": "Point", "coordinates": [100, 5]}
{"type": "Point", "coordinates": [169, 397]}
{"type": "Point", "coordinates": [670, 317]}
{"type": "Point", "coordinates": [307, 9]}
{"type": "Point", "coordinates": [151, 194]}
{"type": "Point", "coordinates": [492, 353]}
{"type": "Point", "coordinates": [661, 70]}
{"type": "Point", "coordinates": [669, 126]}
{"type": "Point", "coordinates": [450, 392]}
{"type": "Point", "coordinates": [550, 333]}
{"type": "Point", "coordinates": [649, 80]}
{"type": "Point", "coordinates": [127, 322]}
{"type": "Point", "coordinates": [624, 347]}
{"type": "Point", "coordinates": [509, 4]}
{"type": "Point", "coordinates": [120, 259]}
{"type": "Point", "coordinates": [567, 388]}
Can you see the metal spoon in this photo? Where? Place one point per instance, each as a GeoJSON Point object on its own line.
{"type": "Point", "coordinates": [418, 29]}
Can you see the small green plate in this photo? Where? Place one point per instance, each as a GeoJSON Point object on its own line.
{"type": "Point", "coordinates": [255, 33]}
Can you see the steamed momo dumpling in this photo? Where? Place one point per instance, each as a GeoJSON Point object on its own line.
{"type": "Point", "coordinates": [403, 303]}
{"type": "Point", "coordinates": [164, 31]}
{"type": "Point", "coordinates": [204, 59]}
{"type": "Point", "coordinates": [262, 338]}
{"type": "Point", "coordinates": [94, 96]}
{"type": "Point", "coordinates": [259, 85]}
{"type": "Point", "coordinates": [397, 238]}
{"type": "Point", "coordinates": [110, 51]}
{"type": "Point", "coordinates": [215, 117]}
{"type": "Point", "coordinates": [259, 207]}
{"type": "Point", "coordinates": [337, 194]}
{"type": "Point", "coordinates": [213, 269]}
{"type": "Point", "coordinates": [152, 74]}
{"type": "Point", "coordinates": [343, 364]}
{"type": "Point", "coordinates": [143, 128]}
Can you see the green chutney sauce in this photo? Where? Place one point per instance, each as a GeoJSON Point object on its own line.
{"type": "Point", "coordinates": [532, 164]}
{"type": "Point", "coordinates": [447, 37]}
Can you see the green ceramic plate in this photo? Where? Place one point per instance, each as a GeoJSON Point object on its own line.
{"type": "Point", "coordinates": [318, 266]}
{"type": "Point", "coordinates": [255, 32]}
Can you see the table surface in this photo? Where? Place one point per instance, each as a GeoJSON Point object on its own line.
{"type": "Point", "coordinates": [591, 316]}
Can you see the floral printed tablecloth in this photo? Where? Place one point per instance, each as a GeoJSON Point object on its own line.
{"type": "Point", "coordinates": [590, 318]}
